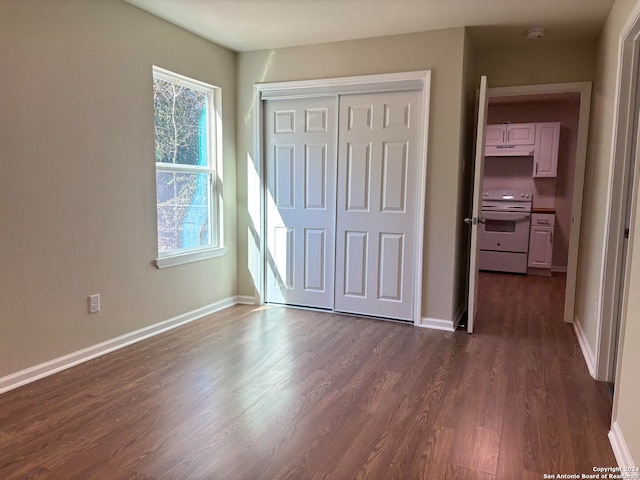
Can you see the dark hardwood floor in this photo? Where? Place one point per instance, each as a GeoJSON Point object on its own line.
{"type": "Point", "coordinates": [274, 393]}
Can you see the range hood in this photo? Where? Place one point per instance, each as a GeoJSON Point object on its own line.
{"type": "Point", "coordinates": [508, 151]}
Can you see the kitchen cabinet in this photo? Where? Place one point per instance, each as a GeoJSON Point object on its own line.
{"type": "Point", "coordinates": [541, 240]}
{"type": "Point", "coordinates": [545, 156]}
{"type": "Point", "coordinates": [511, 134]}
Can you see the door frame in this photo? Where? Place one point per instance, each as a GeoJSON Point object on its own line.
{"type": "Point", "coordinates": [379, 83]}
{"type": "Point", "coordinates": [615, 271]}
{"type": "Point", "coordinates": [584, 90]}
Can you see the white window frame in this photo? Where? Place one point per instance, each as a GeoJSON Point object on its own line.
{"type": "Point", "coordinates": [214, 169]}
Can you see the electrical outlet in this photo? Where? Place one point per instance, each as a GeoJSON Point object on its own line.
{"type": "Point", "coordinates": [94, 303]}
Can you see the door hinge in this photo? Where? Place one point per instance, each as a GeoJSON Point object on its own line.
{"type": "Point", "coordinates": [626, 233]}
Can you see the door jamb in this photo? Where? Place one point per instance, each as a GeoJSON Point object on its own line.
{"type": "Point", "coordinates": [623, 138]}
{"type": "Point", "coordinates": [393, 82]}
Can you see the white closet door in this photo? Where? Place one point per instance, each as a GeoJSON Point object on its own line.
{"type": "Point", "coordinates": [300, 146]}
{"type": "Point", "coordinates": [378, 158]}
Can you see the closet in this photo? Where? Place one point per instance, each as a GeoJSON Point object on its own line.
{"type": "Point", "coordinates": [343, 196]}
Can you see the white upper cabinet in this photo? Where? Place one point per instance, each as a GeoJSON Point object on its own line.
{"type": "Point", "coordinates": [525, 139]}
{"type": "Point", "coordinates": [495, 135]}
{"type": "Point", "coordinates": [511, 134]}
{"type": "Point", "coordinates": [521, 134]}
{"type": "Point", "coordinates": [545, 157]}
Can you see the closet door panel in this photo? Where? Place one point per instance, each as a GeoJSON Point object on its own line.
{"type": "Point", "coordinates": [315, 185]}
{"type": "Point", "coordinates": [390, 266]}
{"type": "Point", "coordinates": [356, 262]}
{"type": "Point", "coordinates": [357, 177]}
{"type": "Point", "coordinates": [300, 150]}
{"type": "Point", "coordinates": [394, 176]}
{"type": "Point", "coordinates": [378, 158]}
{"type": "Point", "coordinates": [315, 259]}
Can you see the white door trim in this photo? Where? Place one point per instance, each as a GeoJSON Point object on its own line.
{"type": "Point", "coordinates": [584, 89]}
{"type": "Point", "coordinates": [388, 82]}
{"type": "Point", "coordinates": [623, 138]}
{"type": "Point", "coordinates": [420, 80]}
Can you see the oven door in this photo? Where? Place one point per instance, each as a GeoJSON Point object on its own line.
{"type": "Point", "coordinates": [504, 231]}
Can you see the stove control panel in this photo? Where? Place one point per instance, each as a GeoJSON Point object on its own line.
{"type": "Point", "coordinates": [506, 195]}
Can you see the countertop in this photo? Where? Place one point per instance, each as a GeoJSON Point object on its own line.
{"type": "Point", "coordinates": [552, 211]}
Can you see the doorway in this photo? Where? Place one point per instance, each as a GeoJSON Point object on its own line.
{"type": "Point", "coordinates": [551, 196]}
{"type": "Point", "coordinates": [568, 103]}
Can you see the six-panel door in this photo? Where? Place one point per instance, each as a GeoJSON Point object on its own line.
{"type": "Point", "coordinates": [377, 182]}
{"type": "Point", "coordinates": [300, 146]}
{"type": "Point", "coordinates": [341, 221]}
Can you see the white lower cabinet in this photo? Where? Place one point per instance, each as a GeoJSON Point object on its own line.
{"type": "Point", "coordinates": [541, 240]}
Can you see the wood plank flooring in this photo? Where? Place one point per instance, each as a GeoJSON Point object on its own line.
{"type": "Point", "coordinates": [273, 393]}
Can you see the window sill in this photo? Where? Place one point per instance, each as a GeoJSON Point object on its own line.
{"type": "Point", "coordinates": [188, 257]}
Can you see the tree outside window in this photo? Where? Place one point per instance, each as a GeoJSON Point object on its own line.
{"type": "Point", "coordinates": [185, 150]}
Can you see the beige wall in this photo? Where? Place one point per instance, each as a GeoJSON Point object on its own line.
{"type": "Point", "coordinates": [540, 63]}
{"type": "Point", "coordinates": [439, 51]}
{"type": "Point", "coordinates": [77, 201]}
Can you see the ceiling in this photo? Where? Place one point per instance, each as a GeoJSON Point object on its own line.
{"type": "Point", "coordinates": [247, 25]}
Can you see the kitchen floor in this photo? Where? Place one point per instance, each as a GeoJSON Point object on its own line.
{"type": "Point", "coordinates": [520, 295]}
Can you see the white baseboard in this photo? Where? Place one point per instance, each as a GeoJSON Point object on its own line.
{"type": "Point", "coordinates": [459, 314]}
{"type": "Point", "coordinates": [559, 269]}
{"type": "Point", "coordinates": [446, 325]}
{"type": "Point", "coordinates": [619, 446]}
{"type": "Point", "coordinates": [437, 324]}
{"type": "Point", "coordinates": [56, 365]}
{"type": "Point", "coordinates": [587, 353]}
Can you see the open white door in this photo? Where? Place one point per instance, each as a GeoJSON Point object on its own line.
{"type": "Point", "coordinates": [475, 218]}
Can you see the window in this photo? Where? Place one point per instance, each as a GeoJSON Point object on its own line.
{"type": "Point", "coordinates": [188, 158]}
